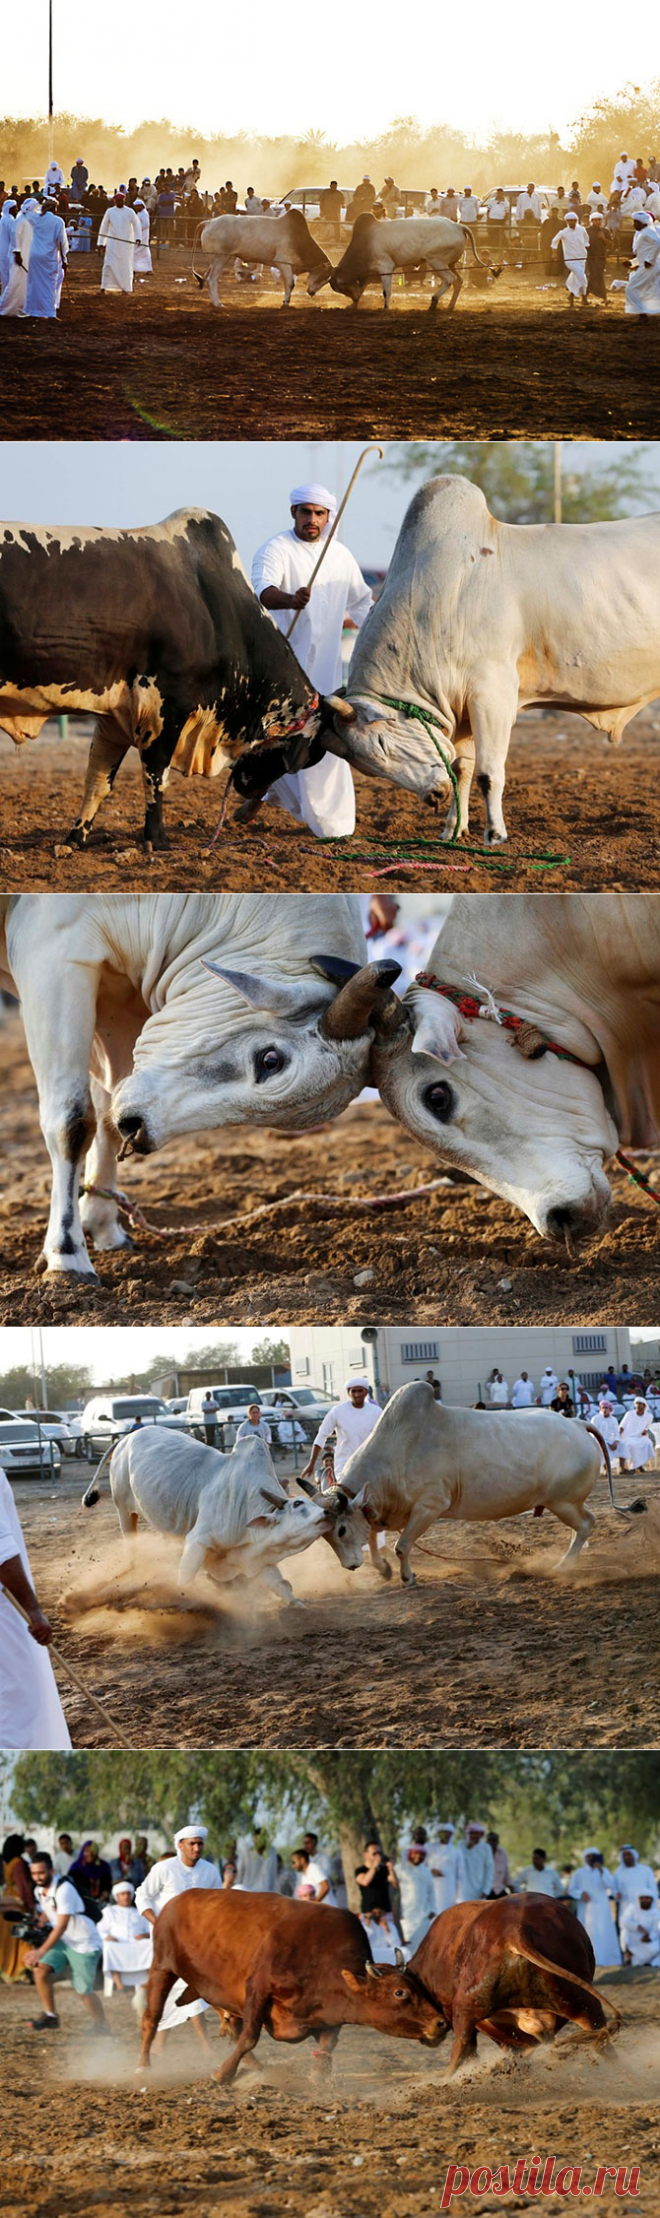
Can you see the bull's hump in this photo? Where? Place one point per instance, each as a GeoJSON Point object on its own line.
{"type": "Point", "coordinates": [73, 538]}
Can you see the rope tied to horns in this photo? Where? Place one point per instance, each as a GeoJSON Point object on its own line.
{"type": "Point", "coordinates": [531, 1043]}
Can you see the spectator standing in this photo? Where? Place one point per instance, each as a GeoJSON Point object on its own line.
{"type": "Point", "coordinates": [478, 1868]}
{"type": "Point", "coordinates": [539, 1877]}
{"type": "Point", "coordinates": [502, 1881]}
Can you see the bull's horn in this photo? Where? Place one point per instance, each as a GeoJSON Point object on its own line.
{"type": "Point", "coordinates": [365, 996]}
{"type": "Point", "coordinates": [374, 1971]}
{"type": "Point", "coordinates": [399, 1959]}
{"type": "Point", "coordinates": [341, 707]}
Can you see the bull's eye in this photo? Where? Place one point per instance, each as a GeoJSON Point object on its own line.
{"type": "Point", "coordinates": [340, 1531]}
{"type": "Point", "coordinates": [440, 1100]}
{"type": "Point", "coordinates": [267, 1063]}
{"type": "Point", "coordinates": [401, 1994]}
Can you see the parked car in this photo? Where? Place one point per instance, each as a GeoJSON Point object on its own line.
{"type": "Point", "coordinates": [24, 1452]}
{"type": "Point", "coordinates": [52, 1424]}
{"type": "Point", "coordinates": [310, 1406]}
{"type": "Point", "coordinates": [109, 1416]}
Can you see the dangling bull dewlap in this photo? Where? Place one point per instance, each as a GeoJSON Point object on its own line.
{"type": "Point", "coordinates": [147, 1016]}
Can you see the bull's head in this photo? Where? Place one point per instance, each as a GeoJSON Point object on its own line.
{"type": "Point", "coordinates": [281, 1528]}
{"type": "Point", "coordinates": [321, 273]}
{"type": "Point", "coordinates": [254, 1050]}
{"type": "Point", "coordinates": [382, 742]}
{"type": "Point", "coordinates": [395, 2002]}
{"type": "Point", "coordinates": [535, 1130]}
{"type": "Point", "coordinates": [344, 1525]}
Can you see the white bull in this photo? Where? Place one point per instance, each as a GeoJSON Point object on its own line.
{"type": "Point", "coordinates": [379, 246]}
{"type": "Point", "coordinates": [478, 620]}
{"type": "Point", "coordinates": [233, 1514]}
{"type": "Point", "coordinates": [147, 1016]}
{"type": "Point", "coordinates": [424, 1462]}
{"type": "Point", "coordinates": [581, 975]}
{"type": "Point", "coordinates": [282, 242]}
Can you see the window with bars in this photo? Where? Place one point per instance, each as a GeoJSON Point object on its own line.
{"type": "Point", "coordinates": [420, 1351]}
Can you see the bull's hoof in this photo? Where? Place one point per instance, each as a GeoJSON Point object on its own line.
{"type": "Point", "coordinates": [433, 303]}
{"type": "Point", "coordinates": [154, 843]}
{"type": "Point", "coordinates": [495, 839]}
{"type": "Point", "coordinates": [408, 1578]}
{"type": "Point", "coordinates": [385, 1570]}
{"type": "Point", "coordinates": [78, 837]}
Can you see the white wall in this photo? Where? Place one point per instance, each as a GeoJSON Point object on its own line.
{"type": "Point", "coordinates": [325, 1356]}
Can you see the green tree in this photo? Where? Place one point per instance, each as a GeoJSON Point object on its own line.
{"type": "Point", "coordinates": [517, 476]}
{"type": "Point", "coordinates": [65, 1382]}
{"type": "Point", "coordinates": [271, 1351]}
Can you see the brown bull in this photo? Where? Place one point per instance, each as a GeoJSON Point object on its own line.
{"type": "Point", "coordinates": [518, 1969]}
{"type": "Point", "coordinates": [296, 1968]}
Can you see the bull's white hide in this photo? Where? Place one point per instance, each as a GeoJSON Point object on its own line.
{"type": "Point", "coordinates": [235, 1515]}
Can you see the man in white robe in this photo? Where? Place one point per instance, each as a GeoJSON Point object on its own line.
{"type": "Point", "coordinates": [548, 1387]}
{"type": "Point", "coordinates": [31, 1714]}
{"type": "Point", "coordinates": [498, 1391]}
{"type": "Point", "coordinates": [417, 1896]}
{"type": "Point", "coordinates": [445, 1862]}
{"type": "Point", "coordinates": [522, 1392]}
{"type": "Point", "coordinates": [538, 1878]}
{"type": "Point", "coordinates": [640, 1932]}
{"type": "Point", "coordinates": [478, 1873]}
{"type": "Point", "coordinates": [173, 1875]}
{"type": "Point", "coordinates": [54, 178]}
{"type": "Point", "coordinates": [624, 170]}
{"type": "Point", "coordinates": [119, 234]}
{"type": "Point", "coordinates": [636, 1442]}
{"type": "Point", "coordinates": [632, 1878]}
{"type": "Point", "coordinates": [7, 230]}
{"type": "Point", "coordinates": [573, 240]}
{"type": "Point", "coordinates": [322, 796]}
{"type": "Point", "coordinates": [642, 294]}
{"type": "Point", "coordinates": [48, 260]}
{"type": "Point", "coordinates": [142, 263]}
{"type": "Point", "coordinates": [591, 1888]}
{"type": "Point", "coordinates": [127, 1940]}
{"type": "Point", "coordinates": [351, 1420]}
{"type": "Point", "coordinates": [15, 290]}
{"type": "Point", "coordinates": [606, 1423]}
{"type": "Point", "coordinates": [256, 1866]}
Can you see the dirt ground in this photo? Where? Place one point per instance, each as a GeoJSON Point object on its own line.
{"type": "Point", "coordinates": [375, 2141]}
{"type": "Point", "coordinates": [162, 364]}
{"type": "Point", "coordinates": [460, 1256]}
{"type": "Point", "coordinates": [489, 1649]}
{"type": "Point", "coordinates": [569, 796]}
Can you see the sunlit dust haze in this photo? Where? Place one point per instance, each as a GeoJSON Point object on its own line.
{"type": "Point", "coordinates": [346, 76]}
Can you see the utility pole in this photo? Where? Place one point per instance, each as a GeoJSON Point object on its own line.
{"type": "Point", "coordinates": [50, 80]}
{"type": "Point", "coordinates": [556, 450]}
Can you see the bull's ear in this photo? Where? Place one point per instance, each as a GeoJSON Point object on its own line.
{"type": "Point", "coordinates": [438, 1027]}
{"type": "Point", "coordinates": [350, 1980]}
{"type": "Point", "coordinates": [262, 993]}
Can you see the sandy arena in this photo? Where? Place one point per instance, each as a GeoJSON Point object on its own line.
{"type": "Point", "coordinates": [489, 1648]}
{"type": "Point", "coordinates": [374, 2142]}
{"type": "Point", "coordinates": [511, 362]}
{"type": "Point", "coordinates": [569, 797]}
{"type": "Point", "coordinates": [459, 1256]}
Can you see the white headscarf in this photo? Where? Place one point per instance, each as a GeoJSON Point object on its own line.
{"type": "Point", "coordinates": [123, 1887]}
{"type": "Point", "coordinates": [190, 1833]}
{"type": "Point", "coordinates": [313, 496]}
{"type": "Point", "coordinates": [358, 1379]}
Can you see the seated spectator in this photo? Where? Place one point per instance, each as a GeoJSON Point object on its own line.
{"type": "Point", "coordinates": [127, 1941]}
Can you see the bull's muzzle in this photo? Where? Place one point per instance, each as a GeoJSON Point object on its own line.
{"type": "Point", "coordinates": [135, 1136]}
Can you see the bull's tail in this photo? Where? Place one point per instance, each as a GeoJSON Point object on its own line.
{"type": "Point", "coordinates": [468, 234]}
{"type": "Point", "coordinates": [201, 278]}
{"type": "Point", "coordinates": [623, 1509]}
{"type": "Point", "coordinates": [93, 1491]}
{"type": "Point", "coordinates": [544, 1963]}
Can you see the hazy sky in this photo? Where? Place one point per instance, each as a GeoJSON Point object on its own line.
{"type": "Point", "coordinates": [119, 1351]}
{"type": "Point", "coordinates": [249, 485]}
{"type": "Point", "coordinates": [347, 73]}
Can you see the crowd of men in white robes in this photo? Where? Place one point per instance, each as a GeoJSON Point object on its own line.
{"type": "Point", "coordinates": [626, 1408]}
{"type": "Point", "coordinates": [106, 1937]}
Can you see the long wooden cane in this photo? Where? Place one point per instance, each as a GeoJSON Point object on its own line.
{"type": "Point", "coordinates": [374, 448]}
{"type": "Point", "coordinates": [58, 1658]}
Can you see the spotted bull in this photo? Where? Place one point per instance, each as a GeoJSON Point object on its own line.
{"type": "Point", "coordinates": [297, 1969]}
{"type": "Point", "coordinates": [155, 632]}
{"type": "Point", "coordinates": [149, 1016]}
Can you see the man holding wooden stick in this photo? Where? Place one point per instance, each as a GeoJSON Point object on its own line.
{"type": "Point", "coordinates": [307, 572]}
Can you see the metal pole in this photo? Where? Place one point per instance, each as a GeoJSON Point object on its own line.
{"type": "Point", "coordinates": [50, 80]}
{"type": "Point", "coordinates": [557, 479]}
{"type": "Point", "coordinates": [44, 1391]}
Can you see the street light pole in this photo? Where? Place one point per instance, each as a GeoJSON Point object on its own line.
{"type": "Point", "coordinates": [50, 80]}
{"type": "Point", "coordinates": [557, 480]}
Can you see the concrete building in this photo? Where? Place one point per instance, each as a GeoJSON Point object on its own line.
{"type": "Point", "coordinates": [325, 1355]}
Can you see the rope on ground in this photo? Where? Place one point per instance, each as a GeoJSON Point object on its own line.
{"type": "Point", "coordinates": [137, 1219]}
{"type": "Point", "coordinates": [409, 854]}
{"type": "Point", "coordinates": [639, 1177]}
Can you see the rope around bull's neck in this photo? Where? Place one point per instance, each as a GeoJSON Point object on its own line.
{"type": "Point", "coordinates": [413, 711]}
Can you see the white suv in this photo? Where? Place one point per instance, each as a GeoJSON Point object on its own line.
{"type": "Point", "coordinates": [231, 1404]}
{"type": "Point", "coordinates": [109, 1416]}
